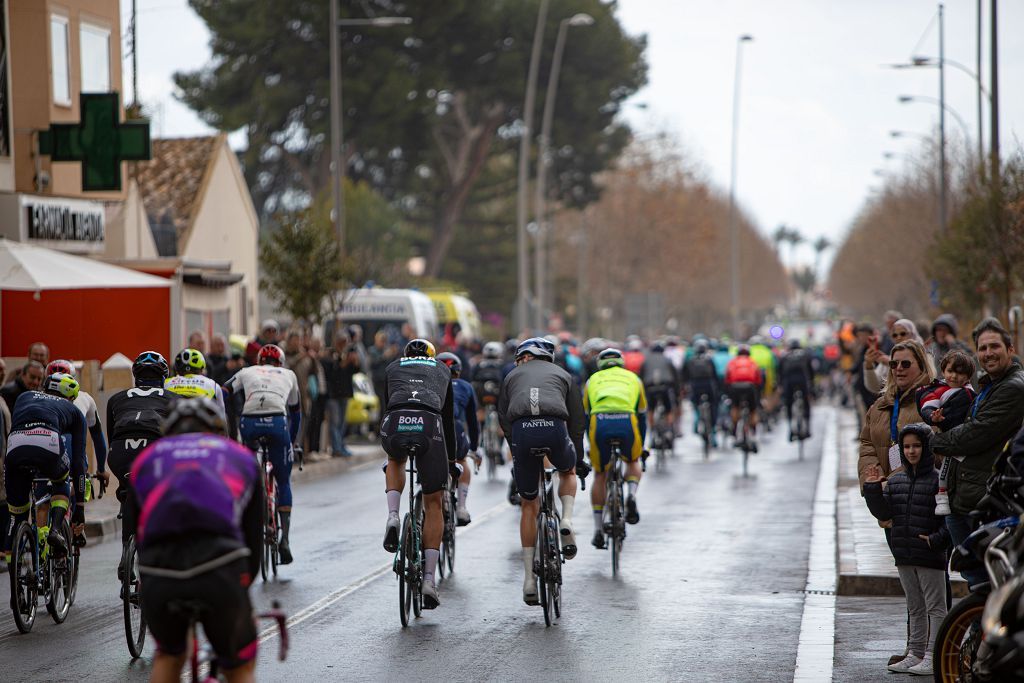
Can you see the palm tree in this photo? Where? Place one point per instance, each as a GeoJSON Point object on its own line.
{"type": "Point", "coordinates": [780, 235]}
{"type": "Point", "coordinates": [795, 239]}
{"type": "Point", "coordinates": [820, 245]}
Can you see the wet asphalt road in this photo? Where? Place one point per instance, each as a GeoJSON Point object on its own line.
{"type": "Point", "coordinates": [710, 588]}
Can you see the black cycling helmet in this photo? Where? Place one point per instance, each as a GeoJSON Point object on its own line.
{"type": "Point", "coordinates": [610, 358]}
{"type": "Point", "coordinates": [150, 365]}
{"type": "Point", "coordinates": [538, 347]}
{"type": "Point", "coordinates": [419, 348]}
{"type": "Point", "coordinates": [200, 414]}
{"type": "Point", "coordinates": [794, 344]}
{"type": "Point", "coordinates": [700, 346]}
{"type": "Point", "coordinates": [453, 362]}
{"type": "Point", "coordinates": [190, 362]}
{"type": "Point", "coordinates": [658, 346]}
{"type": "Point", "coordinates": [742, 350]}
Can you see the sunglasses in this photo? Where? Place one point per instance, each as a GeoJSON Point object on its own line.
{"type": "Point", "coordinates": [900, 335]}
{"type": "Point", "coordinates": [905, 364]}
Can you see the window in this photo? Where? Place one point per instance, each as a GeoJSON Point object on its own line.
{"type": "Point", "coordinates": [95, 58]}
{"type": "Point", "coordinates": [59, 65]}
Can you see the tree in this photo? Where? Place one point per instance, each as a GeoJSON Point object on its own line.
{"type": "Point", "coordinates": [821, 245]}
{"type": "Point", "coordinates": [795, 239]}
{"type": "Point", "coordinates": [426, 106]}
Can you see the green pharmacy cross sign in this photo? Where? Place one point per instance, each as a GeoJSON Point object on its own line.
{"type": "Point", "coordinates": [100, 142]}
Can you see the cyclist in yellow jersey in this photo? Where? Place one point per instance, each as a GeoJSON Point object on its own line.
{"type": "Point", "coordinates": [613, 399]}
{"type": "Point", "coordinates": [190, 380]}
{"type": "Point", "coordinates": [762, 354]}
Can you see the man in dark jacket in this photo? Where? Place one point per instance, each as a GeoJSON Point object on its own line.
{"type": "Point", "coordinates": [340, 366]}
{"type": "Point", "coordinates": [29, 379]}
{"type": "Point", "coordinates": [976, 444]}
{"type": "Point", "coordinates": [945, 331]}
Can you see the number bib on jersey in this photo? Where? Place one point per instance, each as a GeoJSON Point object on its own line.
{"type": "Point", "coordinates": [39, 437]}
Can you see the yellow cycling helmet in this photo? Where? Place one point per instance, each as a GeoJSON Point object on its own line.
{"type": "Point", "coordinates": [61, 384]}
{"type": "Point", "coordinates": [190, 362]}
{"type": "Point", "coordinates": [420, 348]}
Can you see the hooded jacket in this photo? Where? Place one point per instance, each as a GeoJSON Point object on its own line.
{"type": "Point", "coordinates": [542, 388]}
{"type": "Point", "coordinates": [997, 414]}
{"type": "Point", "coordinates": [937, 350]}
{"type": "Point", "coordinates": [909, 501]}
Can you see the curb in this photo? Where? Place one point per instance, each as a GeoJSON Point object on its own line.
{"type": "Point", "coordinates": [869, 585]}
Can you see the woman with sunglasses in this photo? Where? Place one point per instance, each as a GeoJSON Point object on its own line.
{"type": "Point", "coordinates": [876, 362]}
{"type": "Point", "coordinates": [896, 407]}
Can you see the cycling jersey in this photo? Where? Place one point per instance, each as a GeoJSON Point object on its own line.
{"type": "Point", "coordinates": [614, 390]}
{"type": "Point", "coordinates": [467, 427]}
{"type": "Point", "coordinates": [190, 386]}
{"type": "Point", "coordinates": [487, 378]}
{"type": "Point", "coordinates": [539, 388]}
{"type": "Point", "coordinates": [795, 368]}
{"type": "Point", "coordinates": [743, 370]}
{"type": "Point", "coordinates": [422, 384]}
{"type": "Point", "coordinates": [634, 361]}
{"type": "Point", "coordinates": [765, 359]}
{"type": "Point", "coordinates": [658, 371]}
{"type": "Point", "coordinates": [268, 390]}
{"type": "Point", "coordinates": [87, 405]}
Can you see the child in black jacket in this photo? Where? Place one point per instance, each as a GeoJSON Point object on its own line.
{"type": "Point", "coordinates": [918, 541]}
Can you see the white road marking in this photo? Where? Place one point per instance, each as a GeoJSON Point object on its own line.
{"type": "Point", "coordinates": [816, 648]}
{"type": "Point", "coordinates": [336, 596]}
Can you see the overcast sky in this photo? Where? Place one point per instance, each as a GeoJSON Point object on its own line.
{"type": "Point", "coordinates": [816, 105]}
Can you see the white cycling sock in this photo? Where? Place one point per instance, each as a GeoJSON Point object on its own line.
{"type": "Point", "coordinates": [631, 486]}
{"type": "Point", "coordinates": [430, 555]}
{"type": "Point", "coordinates": [528, 565]}
{"type": "Point", "coordinates": [598, 516]}
{"type": "Point", "coordinates": [394, 501]}
{"type": "Point", "coordinates": [463, 494]}
{"type": "Point", "coordinates": [567, 503]}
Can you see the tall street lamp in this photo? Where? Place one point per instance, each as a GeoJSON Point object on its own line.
{"type": "Point", "coordinates": [544, 163]}
{"type": "Point", "coordinates": [522, 247]}
{"type": "Point", "coordinates": [337, 135]}
{"type": "Point", "coordinates": [734, 247]}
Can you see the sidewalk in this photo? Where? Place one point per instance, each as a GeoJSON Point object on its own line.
{"type": "Point", "coordinates": [865, 564]}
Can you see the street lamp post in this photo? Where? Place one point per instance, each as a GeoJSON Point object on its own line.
{"type": "Point", "coordinates": [337, 128]}
{"type": "Point", "coordinates": [544, 162]}
{"type": "Point", "coordinates": [522, 208]}
{"type": "Point", "coordinates": [734, 247]}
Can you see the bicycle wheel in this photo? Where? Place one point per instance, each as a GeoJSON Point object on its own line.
{"type": "Point", "coordinates": [131, 599]}
{"type": "Point", "coordinates": [450, 534]}
{"type": "Point", "coordinates": [404, 571]}
{"type": "Point", "coordinates": [446, 515]}
{"type": "Point", "coordinates": [417, 557]}
{"type": "Point", "coordinates": [540, 563]}
{"type": "Point", "coordinates": [614, 506]}
{"type": "Point", "coordinates": [23, 570]}
{"type": "Point", "coordinates": [956, 643]}
{"type": "Point", "coordinates": [60, 571]}
{"type": "Point", "coordinates": [274, 540]}
{"type": "Point", "coordinates": [77, 552]}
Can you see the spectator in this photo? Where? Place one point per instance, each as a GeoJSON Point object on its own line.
{"type": "Point", "coordinates": [865, 339]}
{"type": "Point", "coordinates": [318, 396]}
{"type": "Point", "coordinates": [197, 341]}
{"type": "Point", "coordinates": [270, 333]}
{"type": "Point", "coordinates": [888, 341]}
{"type": "Point", "coordinates": [355, 340]}
{"type": "Point", "coordinates": [381, 353]}
{"type": "Point", "coordinates": [301, 363]}
{"type": "Point", "coordinates": [29, 379]}
{"type": "Point", "coordinates": [975, 445]}
{"type": "Point", "coordinates": [40, 353]}
{"type": "Point", "coordinates": [217, 360]}
{"type": "Point", "coordinates": [876, 361]}
{"type": "Point", "coordinates": [944, 338]}
{"type": "Point", "coordinates": [894, 409]}
{"type": "Point", "coordinates": [339, 368]}
{"type": "Point", "coordinates": [918, 542]}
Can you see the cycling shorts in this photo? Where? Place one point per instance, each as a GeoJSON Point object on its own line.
{"type": "Point", "coordinates": [604, 427]}
{"type": "Point", "coordinates": [274, 429]}
{"type": "Point", "coordinates": [743, 392]}
{"type": "Point", "coordinates": [404, 428]}
{"type": "Point", "coordinates": [539, 432]}
{"type": "Point", "coordinates": [120, 456]}
{"type": "Point", "coordinates": [461, 442]}
{"type": "Point", "coordinates": [225, 612]}
{"type": "Point", "coordinates": [34, 460]}
{"type": "Point", "coordinates": [660, 394]}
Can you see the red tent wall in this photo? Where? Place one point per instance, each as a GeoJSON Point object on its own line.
{"type": "Point", "coordinates": [86, 324]}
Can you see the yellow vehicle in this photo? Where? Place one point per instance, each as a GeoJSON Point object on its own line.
{"type": "Point", "coordinates": [363, 410]}
{"type": "Point", "coordinates": [455, 309]}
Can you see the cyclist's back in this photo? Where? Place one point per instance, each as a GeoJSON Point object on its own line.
{"type": "Point", "coordinates": [189, 380]}
{"type": "Point", "coordinates": [487, 378]}
{"type": "Point", "coordinates": [796, 373]}
{"type": "Point", "coordinates": [743, 381]}
{"type": "Point", "coordinates": [199, 504]}
{"type": "Point", "coordinates": [660, 379]}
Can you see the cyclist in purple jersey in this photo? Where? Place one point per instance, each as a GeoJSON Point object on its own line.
{"type": "Point", "coordinates": [198, 502]}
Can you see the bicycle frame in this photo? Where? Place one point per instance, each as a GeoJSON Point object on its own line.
{"type": "Point", "coordinates": [204, 656]}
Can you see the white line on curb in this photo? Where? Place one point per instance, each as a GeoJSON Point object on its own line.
{"type": "Point", "coordinates": [816, 649]}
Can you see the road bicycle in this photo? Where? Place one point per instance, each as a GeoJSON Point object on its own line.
{"type": "Point", "coordinates": [705, 426]}
{"type": "Point", "coordinates": [798, 426]}
{"type": "Point", "coordinates": [614, 518]}
{"type": "Point", "coordinates": [408, 562]}
{"type": "Point", "coordinates": [35, 571]}
{"type": "Point", "coordinates": [449, 503]}
{"type": "Point", "coordinates": [547, 556]}
{"type": "Point", "coordinates": [203, 655]}
{"type": "Point", "coordinates": [131, 598]}
{"type": "Point", "coordinates": [725, 425]}
{"type": "Point", "coordinates": [271, 518]}
{"type": "Point", "coordinates": [663, 436]}
{"type": "Point", "coordinates": [745, 435]}
{"type": "Point", "coordinates": [492, 441]}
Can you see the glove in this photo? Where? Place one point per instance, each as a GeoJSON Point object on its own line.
{"type": "Point", "coordinates": [582, 468]}
{"type": "Point", "coordinates": [455, 470]}
{"type": "Point", "coordinates": [478, 455]}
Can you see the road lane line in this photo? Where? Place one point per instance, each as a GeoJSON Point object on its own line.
{"type": "Point", "coordinates": [816, 649]}
{"type": "Point", "coordinates": [341, 593]}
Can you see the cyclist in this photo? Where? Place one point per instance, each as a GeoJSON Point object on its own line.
{"type": "Point", "coordinates": [796, 374]}
{"type": "Point", "coordinates": [634, 354]}
{"type": "Point", "coordinates": [615, 401]}
{"type": "Point", "coordinates": [134, 417]}
{"type": "Point", "coordinates": [419, 412]}
{"type": "Point", "coordinates": [48, 435]}
{"type": "Point", "coordinates": [660, 381]}
{"type": "Point", "coordinates": [271, 412]}
{"type": "Point", "coordinates": [190, 380]}
{"type": "Point", "coordinates": [701, 379]}
{"type": "Point", "coordinates": [198, 500]}
{"type": "Point", "coordinates": [540, 407]}
{"type": "Point", "coordinates": [487, 374]}
{"type": "Point", "coordinates": [467, 430]}
{"type": "Point", "coordinates": [87, 404]}
{"type": "Point", "coordinates": [743, 382]}
{"type": "Point", "coordinates": [762, 354]}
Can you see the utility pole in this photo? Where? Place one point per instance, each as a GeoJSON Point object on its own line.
{"type": "Point", "coordinates": [943, 176]}
{"type": "Point", "coordinates": [337, 158]}
{"type": "Point", "coordinates": [981, 143]}
{"type": "Point", "coordinates": [994, 91]}
{"type": "Point", "coordinates": [134, 37]}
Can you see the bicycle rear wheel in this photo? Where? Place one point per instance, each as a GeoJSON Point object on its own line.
{"type": "Point", "coordinates": [404, 571]}
{"type": "Point", "coordinates": [450, 534]}
{"type": "Point", "coordinates": [417, 557]}
{"type": "Point", "coordinates": [131, 598]}
{"type": "Point", "coordinates": [23, 571]}
{"type": "Point", "coordinates": [274, 536]}
{"type": "Point", "coordinates": [541, 566]}
{"type": "Point", "coordinates": [61, 572]}
{"type": "Point", "coordinates": [616, 516]}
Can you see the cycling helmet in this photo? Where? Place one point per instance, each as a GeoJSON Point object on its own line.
{"type": "Point", "coordinates": [200, 414]}
{"type": "Point", "coordinates": [538, 347]}
{"type": "Point", "coordinates": [64, 367]}
{"type": "Point", "coordinates": [270, 354]}
{"type": "Point", "coordinates": [420, 348]}
{"type": "Point", "coordinates": [794, 344]}
{"type": "Point", "coordinates": [700, 346]}
{"type": "Point", "coordinates": [150, 365]}
{"type": "Point", "coordinates": [61, 384]}
{"type": "Point", "coordinates": [452, 361]}
{"type": "Point", "coordinates": [190, 362]}
{"type": "Point", "coordinates": [494, 350]}
{"type": "Point", "coordinates": [658, 347]}
{"type": "Point", "coordinates": [742, 350]}
{"type": "Point", "coordinates": [609, 358]}
{"type": "Point", "coordinates": [634, 343]}
{"type": "Point", "coordinates": [756, 340]}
